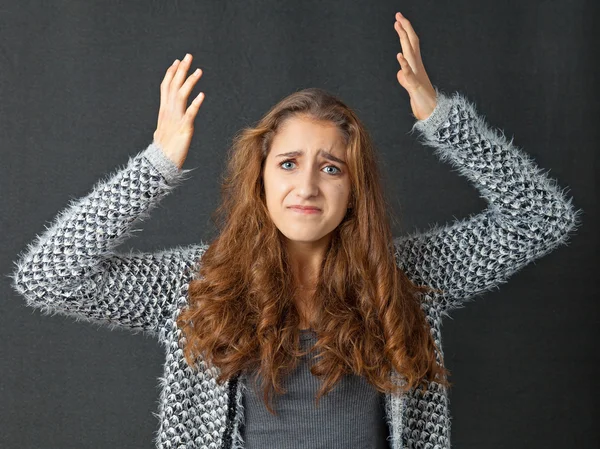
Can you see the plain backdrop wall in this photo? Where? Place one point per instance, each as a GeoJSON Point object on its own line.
{"type": "Point", "coordinates": [79, 84]}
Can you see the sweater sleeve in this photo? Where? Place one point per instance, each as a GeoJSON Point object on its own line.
{"type": "Point", "coordinates": [527, 216]}
{"type": "Point", "coordinates": [73, 269]}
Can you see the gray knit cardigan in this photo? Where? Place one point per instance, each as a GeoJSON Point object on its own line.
{"type": "Point", "coordinates": [73, 268]}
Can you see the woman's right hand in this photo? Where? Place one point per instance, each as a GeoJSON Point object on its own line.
{"type": "Point", "coordinates": [176, 123]}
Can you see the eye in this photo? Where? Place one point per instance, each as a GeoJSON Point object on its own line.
{"type": "Point", "coordinates": [293, 161]}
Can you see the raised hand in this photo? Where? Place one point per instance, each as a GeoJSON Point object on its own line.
{"type": "Point", "coordinates": [412, 76]}
{"type": "Point", "coordinates": [175, 125]}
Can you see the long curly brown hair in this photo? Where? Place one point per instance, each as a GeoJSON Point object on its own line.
{"type": "Point", "coordinates": [241, 316]}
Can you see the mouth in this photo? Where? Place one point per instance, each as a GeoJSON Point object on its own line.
{"type": "Point", "coordinates": [305, 210]}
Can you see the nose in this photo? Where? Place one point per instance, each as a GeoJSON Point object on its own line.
{"type": "Point", "coordinates": [308, 182]}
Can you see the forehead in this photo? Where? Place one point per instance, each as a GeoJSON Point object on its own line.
{"type": "Point", "coordinates": [305, 134]}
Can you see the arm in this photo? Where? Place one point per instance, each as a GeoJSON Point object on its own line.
{"type": "Point", "coordinates": [73, 269]}
{"type": "Point", "coordinates": [528, 214]}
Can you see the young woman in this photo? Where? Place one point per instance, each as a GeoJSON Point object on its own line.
{"type": "Point", "coordinates": [304, 261]}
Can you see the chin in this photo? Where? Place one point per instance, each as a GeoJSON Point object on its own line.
{"type": "Point", "coordinates": [303, 239]}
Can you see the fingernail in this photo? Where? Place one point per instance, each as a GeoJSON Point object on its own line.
{"type": "Point", "coordinates": [187, 57]}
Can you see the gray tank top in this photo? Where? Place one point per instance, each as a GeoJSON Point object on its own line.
{"type": "Point", "coordinates": [352, 415]}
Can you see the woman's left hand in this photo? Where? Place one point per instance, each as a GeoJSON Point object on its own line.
{"type": "Point", "coordinates": [412, 76]}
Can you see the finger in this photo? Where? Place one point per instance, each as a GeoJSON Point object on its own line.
{"type": "Point", "coordinates": [179, 77]}
{"type": "Point", "coordinates": [187, 87]}
{"type": "Point", "coordinates": [192, 110]}
{"type": "Point", "coordinates": [410, 32]}
{"type": "Point", "coordinates": [407, 49]}
{"type": "Point", "coordinates": [166, 82]}
{"type": "Point", "coordinates": [409, 74]}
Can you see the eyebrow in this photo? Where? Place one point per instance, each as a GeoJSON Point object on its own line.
{"type": "Point", "coordinates": [325, 154]}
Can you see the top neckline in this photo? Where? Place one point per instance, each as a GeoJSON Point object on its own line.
{"type": "Point", "coordinates": [307, 334]}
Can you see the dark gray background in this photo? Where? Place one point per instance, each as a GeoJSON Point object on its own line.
{"type": "Point", "coordinates": [79, 83]}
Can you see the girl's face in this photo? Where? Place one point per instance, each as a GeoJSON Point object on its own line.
{"type": "Point", "coordinates": [314, 174]}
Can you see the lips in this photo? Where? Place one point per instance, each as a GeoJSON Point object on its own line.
{"type": "Point", "coordinates": [307, 208]}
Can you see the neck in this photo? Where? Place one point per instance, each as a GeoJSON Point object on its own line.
{"type": "Point", "coordinates": [305, 259]}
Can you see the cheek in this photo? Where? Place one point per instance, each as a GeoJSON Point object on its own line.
{"type": "Point", "coordinates": [343, 189]}
{"type": "Point", "coordinates": [275, 187]}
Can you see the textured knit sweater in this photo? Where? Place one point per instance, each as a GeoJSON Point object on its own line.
{"type": "Point", "coordinates": [73, 268]}
{"type": "Point", "coordinates": [352, 415]}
